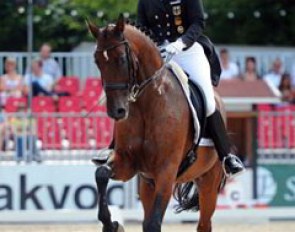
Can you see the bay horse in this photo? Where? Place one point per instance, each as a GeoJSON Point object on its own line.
{"type": "Point", "coordinates": [153, 128]}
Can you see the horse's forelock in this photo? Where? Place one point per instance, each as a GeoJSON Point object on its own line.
{"type": "Point", "coordinates": [108, 29]}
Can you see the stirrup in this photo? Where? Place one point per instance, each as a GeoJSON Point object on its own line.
{"type": "Point", "coordinates": [102, 157]}
{"type": "Point", "coordinates": [231, 175]}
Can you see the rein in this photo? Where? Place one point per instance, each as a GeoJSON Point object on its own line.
{"type": "Point", "coordinates": [135, 89]}
{"type": "Point", "coordinates": [131, 69]}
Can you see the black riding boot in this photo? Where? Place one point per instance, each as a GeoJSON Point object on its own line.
{"type": "Point", "coordinates": [232, 164]}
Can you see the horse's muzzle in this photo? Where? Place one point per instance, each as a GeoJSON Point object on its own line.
{"type": "Point", "coordinates": [118, 114]}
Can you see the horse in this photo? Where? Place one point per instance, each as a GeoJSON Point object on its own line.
{"type": "Point", "coordinates": [153, 129]}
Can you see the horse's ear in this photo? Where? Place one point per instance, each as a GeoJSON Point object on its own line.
{"type": "Point", "coordinates": [120, 24]}
{"type": "Point", "coordinates": [92, 28]}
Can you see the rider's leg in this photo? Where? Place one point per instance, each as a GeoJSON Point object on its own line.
{"type": "Point", "coordinates": [195, 63]}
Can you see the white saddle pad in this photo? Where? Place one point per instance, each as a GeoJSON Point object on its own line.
{"type": "Point", "coordinates": [183, 80]}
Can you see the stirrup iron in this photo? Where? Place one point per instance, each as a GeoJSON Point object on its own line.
{"type": "Point", "coordinates": [229, 174]}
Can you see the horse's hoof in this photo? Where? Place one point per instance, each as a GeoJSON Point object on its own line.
{"type": "Point", "coordinates": [120, 228]}
{"type": "Point", "coordinates": [116, 227]}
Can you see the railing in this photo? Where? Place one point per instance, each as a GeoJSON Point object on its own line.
{"type": "Point", "coordinates": [54, 136]}
{"type": "Point", "coordinates": [72, 136]}
{"type": "Point", "coordinates": [81, 64]}
{"type": "Point", "coordinates": [72, 64]}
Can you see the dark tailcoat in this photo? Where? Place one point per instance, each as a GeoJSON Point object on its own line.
{"type": "Point", "coordinates": [173, 19]}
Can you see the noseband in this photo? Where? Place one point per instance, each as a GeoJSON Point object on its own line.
{"type": "Point", "coordinates": [134, 88]}
{"type": "Point", "coordinates": [131, 68]}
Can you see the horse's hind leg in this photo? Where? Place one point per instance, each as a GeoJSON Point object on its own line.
{"type": "Point", "coordinates": [208, 185]}
{"type": "Point", "coordinates": [155, 197]}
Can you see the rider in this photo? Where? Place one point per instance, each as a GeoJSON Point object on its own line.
{"type": "Point", "coordinates": [178, 26]}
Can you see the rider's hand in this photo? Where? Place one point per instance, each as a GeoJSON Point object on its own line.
{"type": "Point", "coordinates": [163, 53]}
{"type": "Point", "coordinates": [175, 47]}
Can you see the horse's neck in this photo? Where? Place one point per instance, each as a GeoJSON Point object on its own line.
{"type": "Point", "coordinates": [149, 62]}
{"type": "Point", "coordinates": [146, 52]}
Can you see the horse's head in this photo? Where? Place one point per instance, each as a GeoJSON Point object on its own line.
{"type": "Point", "coordinates": [114, 58]}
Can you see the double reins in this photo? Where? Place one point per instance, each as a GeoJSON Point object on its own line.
{"type": "Point", "coordinates": [135, 89]}
{"type": "Point", "coordinates": [131, 68]}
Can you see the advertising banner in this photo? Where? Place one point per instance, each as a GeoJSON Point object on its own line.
{"type": "Point", "coordinates": [55, 187]}
{"type": "Point", "coordinates": [72, 187]}
{"type": "Point", "coordinates": [276, 184]}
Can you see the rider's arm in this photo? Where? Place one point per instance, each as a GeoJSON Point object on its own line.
{"type": "Point", "coordinates": [141, 14]}
{"type": "Point", "coordinates": [195, 16]}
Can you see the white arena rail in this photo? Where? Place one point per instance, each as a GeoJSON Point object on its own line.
{"type": "Point", "coordinates": [67, 193]}
{"type": "Point", "coordinates": [81, 64]}
{"type": "Point", "coordinates": [72, 64]}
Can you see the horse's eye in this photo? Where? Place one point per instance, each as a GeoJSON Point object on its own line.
{"type": "Point", "coordinates": [122, 59]}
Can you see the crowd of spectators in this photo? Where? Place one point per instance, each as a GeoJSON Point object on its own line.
{"type": "Point", "coordinates": [41, 77]}
{"type": "Point", "coordinates": [44, 73]}
{"type": "Point", "coordinates": [275, 77]}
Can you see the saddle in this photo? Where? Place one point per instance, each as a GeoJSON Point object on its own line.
{"type": "Point", "coordinates": [197, 99]}
{"type": "Point", "coordinates": [199, 103]}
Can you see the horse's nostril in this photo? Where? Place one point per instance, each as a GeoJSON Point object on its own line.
{"type": "Point", "coordinates": [121, 112]}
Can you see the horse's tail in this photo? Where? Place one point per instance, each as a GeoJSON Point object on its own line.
{"type": "Point", "coordinates": [187, 196]}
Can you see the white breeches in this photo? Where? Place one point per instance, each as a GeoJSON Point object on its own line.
{"type": "Point", "coordinates": [194, 62]}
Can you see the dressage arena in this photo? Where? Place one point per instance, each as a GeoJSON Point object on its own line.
{"type": "Point", "coordinates": [268, 227]}
{"type": "Point", "coordinates": [49, 137]}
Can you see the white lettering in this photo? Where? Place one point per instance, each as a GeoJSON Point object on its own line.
{"type": "Point", "coordinates": [290, 183]}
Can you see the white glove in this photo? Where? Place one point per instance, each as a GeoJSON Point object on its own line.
{"type": "Point", "coordinates": [175, 47]}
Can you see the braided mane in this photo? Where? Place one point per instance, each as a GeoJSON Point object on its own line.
{"type": "Point", "coordinates": [147, 32]}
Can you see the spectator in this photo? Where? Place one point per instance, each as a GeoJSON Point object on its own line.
{"type": "Point", "coordinates": [49, 65]}
{"type": "Point", "coordinates": [251, 70]}
{"type": "Point", "coordinates": [42, 83]}
{"type": "Point", "coordinates": [285, 87]}
{"type": "Point", "coordinates": [230, 69]}
{"type": "Point", "coordinates": [11, 83]}
{"type": "Point", "coordinates": [275, 75]}
{"type": "Point", "coordinates": [24, 133]}
{"type": "Point", "coordinates": [293, 74]}
{"type": "Point", "coordinates": [2, 130]}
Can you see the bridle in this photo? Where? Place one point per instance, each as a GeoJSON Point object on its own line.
{"type": "Point", "coordinates": [135, 89]}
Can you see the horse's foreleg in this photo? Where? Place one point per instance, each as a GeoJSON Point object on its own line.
{"type": "Point", "coordinates": [155, 197]}
{"type": "Point", "coordinates": [208, 191]}
{"type": "Point", "coordinates": [102, 176]}
{"type": "Point", "coordinates": [115, 167]}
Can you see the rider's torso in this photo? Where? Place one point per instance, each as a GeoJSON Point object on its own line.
{"type": "Point", "coordinates": [167, 19]}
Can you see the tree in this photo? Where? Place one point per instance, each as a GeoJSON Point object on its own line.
{"type": "Point", "coordinates": [62, 22]}
{"type": "Point", "coordinates": [265, 22]}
